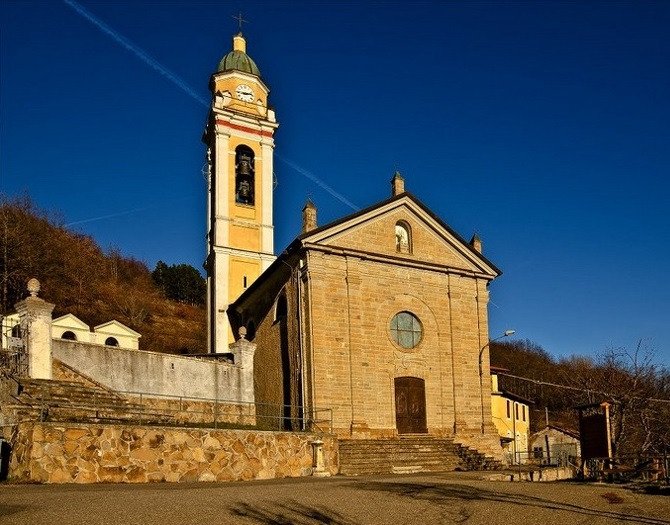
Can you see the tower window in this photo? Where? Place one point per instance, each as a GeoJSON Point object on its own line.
{"type": "Point", "coordinates": [244, 281]}
{"type": "Point", "coordinates": [244, 175]}
{"type": "Point", "coordinates": [403, 238]}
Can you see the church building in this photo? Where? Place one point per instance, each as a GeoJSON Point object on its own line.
{"type": "Point", "coordinates": [380, 316]}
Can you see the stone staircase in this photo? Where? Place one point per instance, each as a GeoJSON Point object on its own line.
{"type": "Point", "coordinates": [409, 454]}
{"type": "Point", "coordinates": [57, 400]}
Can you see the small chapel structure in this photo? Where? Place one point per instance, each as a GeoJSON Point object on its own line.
{"type": "Point", "coordinates": [380, 316]}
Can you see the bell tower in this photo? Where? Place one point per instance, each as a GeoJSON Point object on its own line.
{"type": "Point", "coordinates": [240, 146]}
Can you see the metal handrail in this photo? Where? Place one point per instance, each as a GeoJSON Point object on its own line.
{"type": "Point", "coordinates": [309, 420]}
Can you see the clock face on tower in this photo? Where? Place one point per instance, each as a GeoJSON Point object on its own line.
{"type": "Point", "coordinates": [244, 93]}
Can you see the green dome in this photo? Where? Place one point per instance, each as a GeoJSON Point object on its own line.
{"type": "Point", "coordinates": [238, 61]}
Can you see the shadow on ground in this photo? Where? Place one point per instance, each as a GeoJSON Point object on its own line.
{"type": "Point", "coordinates": [8, 510]}
{"type": "Point", "coordinates": [290, 513]}
{"type": "Point", "coordinates": [445, 494]}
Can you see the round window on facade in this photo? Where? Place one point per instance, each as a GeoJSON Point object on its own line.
{"type": "Point", "coordinates": [406, 329]}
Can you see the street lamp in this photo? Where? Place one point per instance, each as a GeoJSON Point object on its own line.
{"type": "Point", "coordinates": [506, 333]}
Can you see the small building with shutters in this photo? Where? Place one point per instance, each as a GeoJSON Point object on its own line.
{"type": "Point", "coordinates": [511, 416]}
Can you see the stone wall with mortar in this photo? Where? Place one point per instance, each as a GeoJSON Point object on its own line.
{"type": "Point", "coordinates": [78, 453]}
{"type": "Point", "coordinates": [352, 302]}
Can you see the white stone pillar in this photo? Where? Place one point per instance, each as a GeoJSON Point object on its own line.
{"type": "Point", "coordinates": [35, 317]}
{"type": "Point", "coordinates": [243, 352]}
{"type": "Point", "coordinates": [318, 460]}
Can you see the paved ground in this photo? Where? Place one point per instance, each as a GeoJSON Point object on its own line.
{"type": "Point", "coordinates": [416, 499]}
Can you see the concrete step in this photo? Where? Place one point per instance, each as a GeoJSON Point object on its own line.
{"type": "Point", "coordinates": [57, 400]}
{"type": "Point", "coordinates": [410, 454]}
{"type": "Point", "coordinates": [400, 456]}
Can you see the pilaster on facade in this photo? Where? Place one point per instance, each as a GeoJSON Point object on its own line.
{"type": "Point", "coordinates": [358, 378]}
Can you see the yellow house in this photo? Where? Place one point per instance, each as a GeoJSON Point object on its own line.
{"type": "Point", "coordinates": [511, 417]}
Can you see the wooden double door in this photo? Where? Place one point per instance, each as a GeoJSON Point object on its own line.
{"type": "Point", "coordinates": [410, 405]}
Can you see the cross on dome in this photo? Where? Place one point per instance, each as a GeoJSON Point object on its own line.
{"type": "Point", "coordinates": [240, 20]}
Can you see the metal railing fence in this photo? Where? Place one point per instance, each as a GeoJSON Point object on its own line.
{"type": "Point", "coordinates": [185, 411]}
{"type": "Point", "coordinates": [13, 348]}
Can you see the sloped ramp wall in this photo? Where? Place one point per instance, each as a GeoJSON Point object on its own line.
{"type": "Point", "coordinates": [78, 453]}
{"type": "Point", "coordinates": [127, 370]}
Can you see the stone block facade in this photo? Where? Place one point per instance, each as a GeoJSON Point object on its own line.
{"type": "Point", "coordinates": [323, 314]}
{"type": "Point", "coordinates": [77, 453]}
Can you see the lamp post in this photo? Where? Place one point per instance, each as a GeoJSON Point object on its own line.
{"type": "Point", "coordinates": [506, 333]}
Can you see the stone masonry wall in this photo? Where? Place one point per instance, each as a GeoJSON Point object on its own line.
{"type": "Point", "coordinates": [77, 453]}
{"type": "Point", "coordinates": [352, 302]}
{"type": "Point", "coordinates": [355, 360]}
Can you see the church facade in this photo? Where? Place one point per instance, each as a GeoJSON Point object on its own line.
{"type": "Point", "coordinates": [380, 316]}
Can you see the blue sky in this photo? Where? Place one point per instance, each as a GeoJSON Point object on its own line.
{"type": "Point", "coordinates": [544, 126]}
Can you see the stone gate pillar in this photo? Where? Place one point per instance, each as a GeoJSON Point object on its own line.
{"type": "Point", "coordinates": [35, 318]}
{"type": "Point", "coordinates": [243, 352]}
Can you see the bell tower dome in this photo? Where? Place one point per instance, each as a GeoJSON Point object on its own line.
{"type": "Point", "coordinates": [240, 145]}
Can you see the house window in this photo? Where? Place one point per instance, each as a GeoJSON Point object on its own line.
{"type": "Point", "coordinates": [509, 412]}
{"type": "Point", "coordinates": [516, 411]}
{"type": "Point", "coordinates": [406, 329]}
{"type": "Point", "coordinates": [69, 335]}
{"type": "Point", "coordinates": [111, 341]}
{"type": "Point", "coordinates": [244, 282]}
{"type": "Point", "coordinates": [403, 238]}
{"type": "Point", "coordinates": [523, 411]}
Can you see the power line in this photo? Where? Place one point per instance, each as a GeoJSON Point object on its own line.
{"type": "Point", "coordinates": [574, 388]}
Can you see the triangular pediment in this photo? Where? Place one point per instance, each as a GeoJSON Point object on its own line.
{"type": "Point", "coordinates": [115, 328]}
{"type": "Point", "coordinates": [70, 321]}
{"type": "Point", "coordinates": [431, 240]}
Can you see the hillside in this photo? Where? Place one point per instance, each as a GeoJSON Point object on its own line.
{"type": "Point", "coordinates": [80, 278]}
{"type": "Point", "coordinates": [638, 389]}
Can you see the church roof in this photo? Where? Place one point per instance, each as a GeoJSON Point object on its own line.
{"type": "Point", "coordinates": [238, 60]}
{"type": "Point", "coordinates": [277, 272]}
{"type": "Point", "coordinates": [400, 196]}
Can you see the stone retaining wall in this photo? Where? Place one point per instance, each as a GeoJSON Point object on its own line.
{"type": "Point", "coordinates": [84, 453]}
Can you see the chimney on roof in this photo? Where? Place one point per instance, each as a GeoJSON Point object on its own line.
{"type": "Point", "coordinates": [476, 243]}
{"type": "Point", "coordinates": [397, 184]}
{"type": "Point", "coordinates": [308, 217]}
